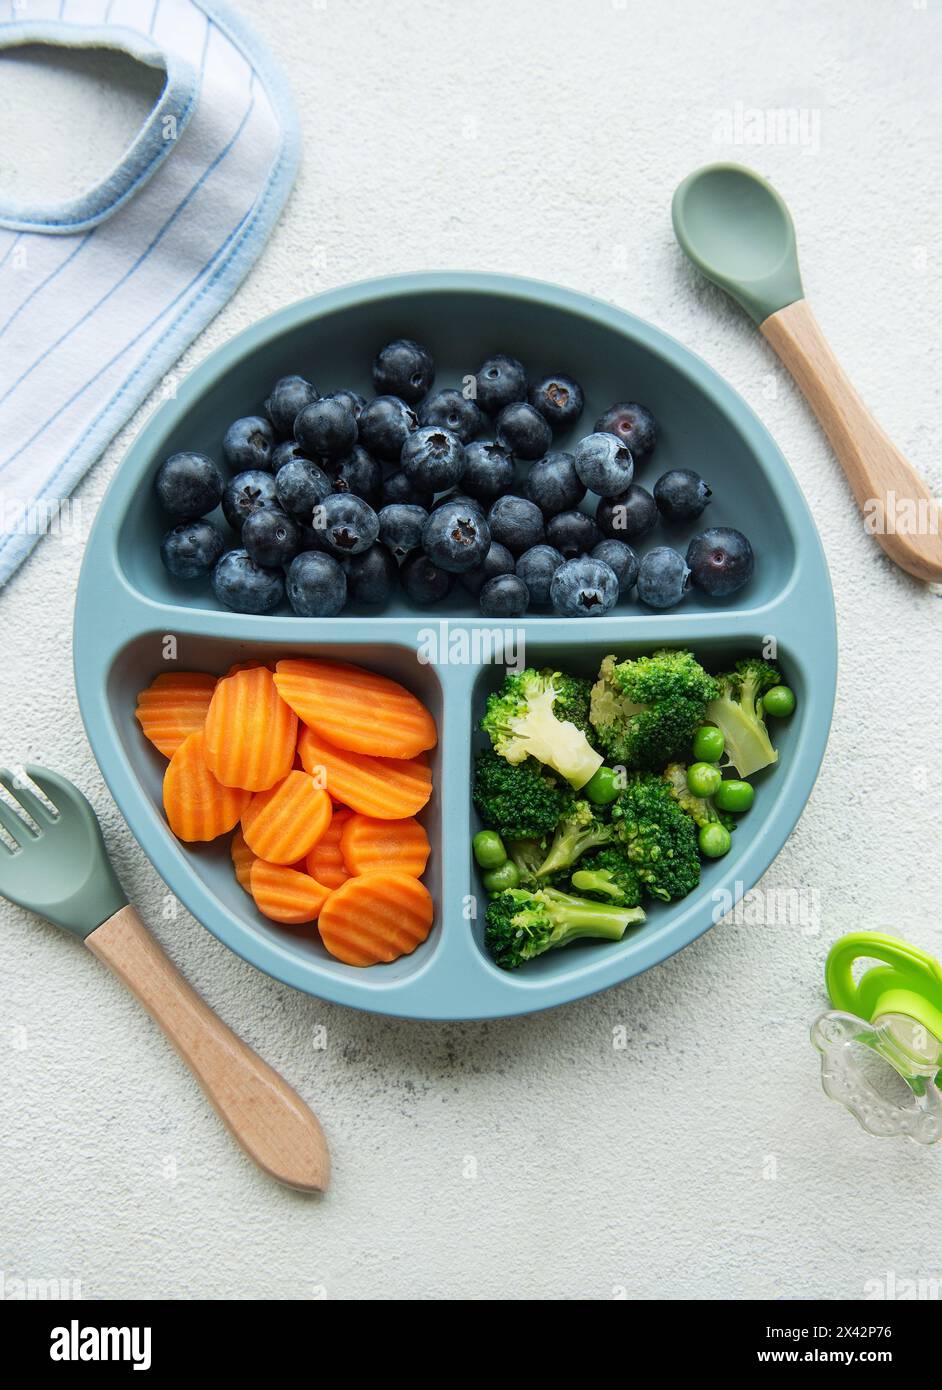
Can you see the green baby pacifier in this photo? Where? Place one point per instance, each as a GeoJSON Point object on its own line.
{"type": "Point", "coordinates": [881, 1044]}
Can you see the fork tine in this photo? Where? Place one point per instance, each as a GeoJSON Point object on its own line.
{"type": "Point", "coordinates": [29, 801]}
{"type": "Point", "coordinates": [15, 825]}
{"type": "Point", "coordinates": [53, 786]}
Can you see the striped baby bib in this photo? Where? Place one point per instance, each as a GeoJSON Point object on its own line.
{"type": "Point", "coordinates": [100, 295]}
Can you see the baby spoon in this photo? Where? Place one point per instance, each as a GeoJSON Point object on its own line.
{"type": "Point", "coordinates": [739, 233]}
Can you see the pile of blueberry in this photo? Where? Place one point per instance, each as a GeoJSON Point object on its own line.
{"type": "Point", "coordinates": [335, 498]}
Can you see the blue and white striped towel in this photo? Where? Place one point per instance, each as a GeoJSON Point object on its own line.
{"type": "Point", "coordinates": [100, 295]}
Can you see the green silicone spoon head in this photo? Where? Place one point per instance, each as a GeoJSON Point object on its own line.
{"type": "Point", "coordinates": [739, 233]}
{"type": "Point", "coordinates": [59, 867]}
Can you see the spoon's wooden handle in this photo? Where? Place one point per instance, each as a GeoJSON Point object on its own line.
{"type": "Point", "coordinates": [898, 507]}
{"type": "Point", "coordinates": [267, 1117]}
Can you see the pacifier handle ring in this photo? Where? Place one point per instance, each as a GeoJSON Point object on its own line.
{"type": "Point", "coordinates": [838, 970]}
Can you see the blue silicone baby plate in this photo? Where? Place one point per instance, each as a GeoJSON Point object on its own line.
{"type": "Point", "coordinates": [127, 606]}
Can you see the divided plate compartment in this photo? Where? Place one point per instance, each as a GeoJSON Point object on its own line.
{"type": "Point", "coordinates": [131, 617]}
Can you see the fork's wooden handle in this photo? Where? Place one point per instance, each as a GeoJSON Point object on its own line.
{"type": "Point", "coordinates": [898, 507]}
{"type": "Point", "coordinates": [267, 1117]}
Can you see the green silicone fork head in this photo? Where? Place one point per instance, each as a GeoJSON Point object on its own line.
{"type": "Point", "coordinates": [881, 1045]}
{"type": "Point", "coordinates": [60, 868]}
{"type": "Point", "coordinates": [736, 229]}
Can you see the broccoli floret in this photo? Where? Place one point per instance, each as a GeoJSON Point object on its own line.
{"type": "Point", "coordinates": [579, 830]}
{"type": "Point", "coordinates": [645, 711]}
{"type": "Point", "coordinates": [522, 925]}
{"type": "Point", "coordinates": [573, 697]}
{"type": "Point", "coordinates": [737, 713]}
{"type": "Point", "coordinates": [519, 801]}
{"type": "Point", "coordinates": [700, 808]}
{"type": "Point", "coordinates": [609, 876]}
{"type": "Point", "coordinates": [659, 837]}
{"type": "Point", "coordinates": [521, 723]}
{"type": "Point", "coordinates": [528, 855]}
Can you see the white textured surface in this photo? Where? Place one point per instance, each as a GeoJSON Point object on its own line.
{"type": "Point", "coordinates": [535, 1157]}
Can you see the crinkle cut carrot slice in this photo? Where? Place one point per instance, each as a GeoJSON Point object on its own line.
{"type": "Point", "coordinates": [388, 788]}
{"type": "Point", "coordinates": [356, 709]}
{"type": "Point", "coordinates": [325, 860]}
{"type": "Point", "coordinates": [285, 822]}
{"type": "Point", "coordinates": [251, 734]}
{"type": "Point", "coordinates": [284, 894]}
{"type": "Point", "coordinates": [242, 859]}
{"type": "Point", "coordinates": [246, 666]}
{"type": "Point", "coordinates": [368, 845]}
{"type": "Point", "coordinates": [199, 807]}
{"type": "Point", "coordinates": [174, 706]}
{"type": "Point", "coordinates": [376, 917]}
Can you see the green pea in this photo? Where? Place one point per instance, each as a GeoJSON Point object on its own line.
{"type": "Point", "coordinates": [714, 840]}
{"type": "Point", "coordinates": [779, 701]}
{"type": "Point", "coordinates": [703, 778]}
{"type": "Point", "coordinates": [734, 795]}
{"type": "Point", "coordinates": [489, 849]}
{"type": "Point", "coordinates": [603, 786]}
{"type": "Point", "coordinates": [708, 744]}
{"type": "Point", "coordinates": [506, 876]}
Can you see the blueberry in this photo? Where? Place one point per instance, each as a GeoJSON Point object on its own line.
{"type": "Point", "coordinates": [663, 577]}
{"type": "Point", "coordinates": [284, 452]}
{"type": "Point", "coordinates": [399, 487]}
{"type": "Point", "coordinates": [583, 588]}
{"type": "Point", "coordinates": [572, 533]}
{"type": "Point", "coordinates": [604, 464]}
{"type": "Point", "coordinates": [384, 425]}
{"type": "Point", "coordinates": [536, 568]}
{"type": "Point", "coordinates": [316, 585]}
{"type": "Point", "coordinates": [326, 428]}
{"type": "Point", "coordinates": [452, 410]}
{"type": "Point", "coordinates": [271, 537]}
{"type": "Point", "coordinates": [488, 470]}
{"type": "Point", "coordinates": [681, 494]}
{"type": "Point", "coordinates": [360, 474]}
{"type": "Point", "coordinates": [633, 424]}
{"type": "Point", "coordinates": [522, 429]}
{"type": "Point", "coordinates": [371, 577]}
{"type": "Point", "coordinates": [404, 368]}
{"type": "Point", "coordinates": [191, 549]}
{"type": "Point", "coordinates": [248, 444]}
{"type": "Point", "coordinates": [505, 596]}
{"type": "Point", "coordinates": [347, 524]}
{"type": "Point", "coordinates": [289, 396]}
{"type": "Point", "coordinates": [500, 380]}
{"type": "Point", "coordinates": [516, 522]}
{"type": "Point", "coordinates": [433, 457]}
{"type": "Point", "coordinates": [620, 558]}
{"type": "Point", "coordinates": [498, 560]}
{"type": "Point", "coordinates": [462, 499]}
{"type": "Point", "coordinates": [455, 537]}
{"type": "Point", "coordinates": [308, 537]}
{"type": "Point", "coordinates": [423, 581]}
{"type": "Point", "coordinates": [188, 486]}
{"type": "Point", "coordinates": [246, 493]}
{"type": "Point", "coordinates": [721, 561]}
{"type": "Point", "coordinates": [554, 485]}
{"type": "Point", "coordinates": [351, 399]}
{"type": "Point", "coordinates": [246, 587]}
{"type": "Point", "coordinates": [559, 400]}
{"type": "Point", "coordinates": [628, 516]}
{"type": "Point", "coordinates": [300, 486]}
{"type": "Point", "coordinates": [400, 528]}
